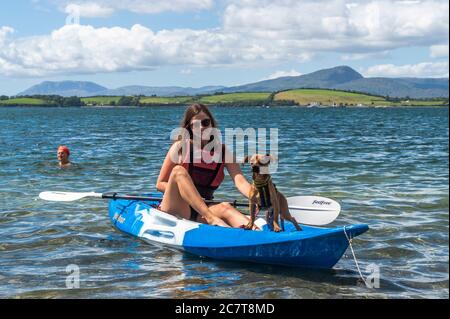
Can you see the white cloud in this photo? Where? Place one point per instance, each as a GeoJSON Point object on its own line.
{"type": "Point", "coordinates": [186, 71]}
{"type": "Point", "coordinates": [85, 49]}
{"type": "Point", "coordinates": [155, 6]}
{"type": "Point", "coordinates": [253, 32]}
{"type": "Point", "coordinates": [360, 27]}
{"type": "Point", "coordinates": [280, 74]}
{"type": "Point", "coordinates": [88, 10]}
{"type": "Point", "coordinates": [106, 7]}
{"type": "Point", "coordinates": [425, 69]}
{"type": "Point", "coordinates": [4, 31]}
{"type": "Point", "coordinates": [439, 51]}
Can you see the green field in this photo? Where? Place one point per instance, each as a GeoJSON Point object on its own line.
{"type": "Point", "coordinates": [233, 98]}
{"type": "Point", "coordinates": [328, 97]}
{"type": "Point", "coordinates": [332, 97]}
{"type": "Point", "coordinates": [167, 100]}
{"type": "Point", "coordinates": [159, 100]}
{"type": "Point", "coordinates": [24, 101]}
{"type": "Point", "coordinates": [301, 97]}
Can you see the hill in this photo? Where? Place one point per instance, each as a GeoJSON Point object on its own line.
{"type": "Point", "coordinates": [401, 87]}
{"type": "Point", "coordinates": [64, 88]}
{"type": "Point", "coordinates": [337, 78]}
{"type": "Point", "coordinates": [326, 78]}
{"type": "Point", "coordinates": [345, 78]}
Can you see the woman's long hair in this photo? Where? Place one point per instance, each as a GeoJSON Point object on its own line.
{"type": "Point", "coordinates": [185, 124]}
{"type": "Point", "coordinates": [192, 111]}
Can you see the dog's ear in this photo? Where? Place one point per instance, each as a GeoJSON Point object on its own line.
{"type": "Point", "coordinates": [264, 159]}
{"type": "Point", "coordinates": [245, 160]}
{"type": "Point", "coordinates": [271, 158]}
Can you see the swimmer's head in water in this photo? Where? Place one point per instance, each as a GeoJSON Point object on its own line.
{"type": "Point", "coordinates": [63, 154]}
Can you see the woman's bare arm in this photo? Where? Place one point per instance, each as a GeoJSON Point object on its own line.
{"type": "Point", "coordinates": [238, 178]}
{"type": "Point", "coordinates": [167, 167]}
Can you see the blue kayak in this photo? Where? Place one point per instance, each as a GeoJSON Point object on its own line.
{"type": "Point", "coordinates": [313, 247]}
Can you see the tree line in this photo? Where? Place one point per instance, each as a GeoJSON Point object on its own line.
{"type": "Point", "coordinates": [53, 100]}
{"type": "Point", "coordinates": [57, 100]}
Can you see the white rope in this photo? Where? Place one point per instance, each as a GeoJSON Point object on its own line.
{"type": "Point", "coordinates": [354, 256]}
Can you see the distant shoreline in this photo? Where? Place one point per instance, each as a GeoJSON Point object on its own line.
{"type": "Point", "coordinates": [312, 98]}
{"type": "Point", "coordinates": [220, 106]}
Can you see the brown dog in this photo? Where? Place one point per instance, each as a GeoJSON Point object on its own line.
{"type": "Point", "coordinates": [264, 194]}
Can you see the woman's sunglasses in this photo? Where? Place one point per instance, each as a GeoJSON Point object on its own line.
{"type": "Point", "coordinates": [204, 122]}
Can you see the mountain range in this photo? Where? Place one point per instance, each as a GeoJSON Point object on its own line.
{"type": "Point", "coordinates": [339, 78]}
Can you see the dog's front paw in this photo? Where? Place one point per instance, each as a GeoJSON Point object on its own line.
{"type": "Point", "coordinates": [276, 228]}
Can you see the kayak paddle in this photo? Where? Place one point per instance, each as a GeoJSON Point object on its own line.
{"type": "Point", "coordinates": [313, 210]}
{"type": "Point", "coordinates": [310, 210]}
{"type": "Point", "coordinates": [66, 196]}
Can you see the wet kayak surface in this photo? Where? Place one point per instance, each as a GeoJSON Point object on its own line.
{"type": "Point", "coordinates": [388, 168]}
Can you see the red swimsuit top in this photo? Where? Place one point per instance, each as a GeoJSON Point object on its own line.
{"type": "Point", "coordinates": [206, 174]}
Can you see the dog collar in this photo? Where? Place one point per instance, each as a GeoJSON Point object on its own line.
{"type": "Point", "coordinates": [264, 183]}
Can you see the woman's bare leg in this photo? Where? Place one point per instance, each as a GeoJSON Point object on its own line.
{"type": "Point", "coordinates": [229, 214]}
{"type": "Point", "coordinates": [181, 194]}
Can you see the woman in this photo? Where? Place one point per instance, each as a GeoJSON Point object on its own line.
{"type": "Point", "coordinates": [185, 183]}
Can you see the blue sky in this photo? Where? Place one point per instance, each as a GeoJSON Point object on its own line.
{"type": "Point", "coordinates": [216, 42]}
